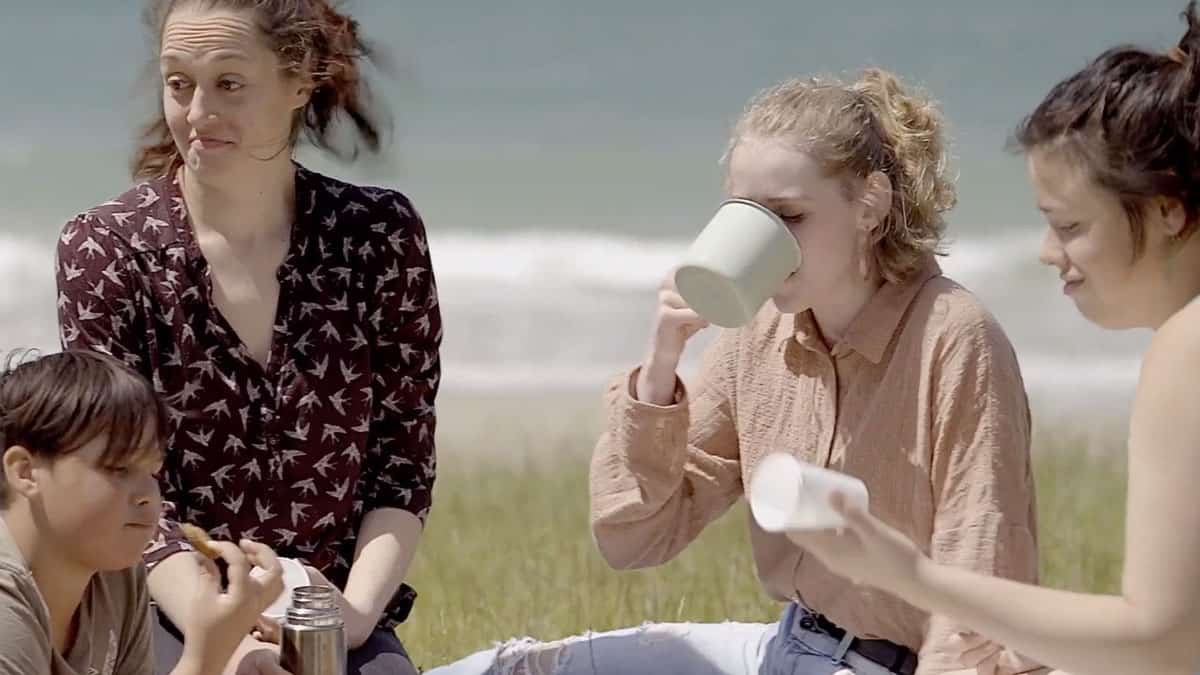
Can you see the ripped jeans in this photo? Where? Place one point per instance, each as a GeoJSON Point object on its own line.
{"type": "Point", "coordinates": [782, 648]}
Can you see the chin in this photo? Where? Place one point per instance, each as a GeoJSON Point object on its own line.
{"type": "Point", "coordinates": [1108, 318]}
{"type": "Point", "coordinates": [787, 304]}
{"type": "Point", "coordinates": [115, 559]}
{"type": "Point", "coordinates": [121, 552]}
{"type": "Point", "coordinates": [208, 163]}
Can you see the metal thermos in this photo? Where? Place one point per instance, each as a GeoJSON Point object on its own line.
{"type": "Point", "coordinates": [314, 635]}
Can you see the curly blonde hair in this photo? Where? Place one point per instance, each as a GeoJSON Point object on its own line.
{"type": "Point", "coordinates": [855, 129]}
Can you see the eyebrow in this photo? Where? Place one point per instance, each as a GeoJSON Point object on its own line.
{"type": "Point", "coordinates": [775, 202]}
{"type": "Point", "coordinates": [1049, 209]}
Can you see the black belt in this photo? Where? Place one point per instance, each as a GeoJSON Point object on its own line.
{"type": "Point", "coordinates": [894, 657]}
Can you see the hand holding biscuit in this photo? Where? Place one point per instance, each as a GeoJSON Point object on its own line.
{"type": "Point", "coordinates": [221, 617]}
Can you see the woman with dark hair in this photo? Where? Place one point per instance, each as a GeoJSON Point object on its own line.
{"type": "Point", "coordinates": [1113, 154]}
{"type": "Point", "coordinates": [290, 319]}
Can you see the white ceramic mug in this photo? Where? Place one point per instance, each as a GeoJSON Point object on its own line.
{"type": "Point", "coordinates": [736, 263]}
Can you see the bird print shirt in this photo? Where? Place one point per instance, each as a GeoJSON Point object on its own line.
{"type": "Point", "coordinates": [339, 422]}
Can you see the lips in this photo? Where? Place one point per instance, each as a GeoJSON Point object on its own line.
{"type": "Point", "coordinates": [209, 143]}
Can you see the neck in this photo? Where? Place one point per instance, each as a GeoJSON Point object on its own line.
{"type": "Point", "coordinates": [60, 580]}
{"type": "Point", "coordinates": [834, 316]}
{"type": "Point", "coordinates": [244, 207]}
{"type": "Point", "coordinates": [1179, 283]}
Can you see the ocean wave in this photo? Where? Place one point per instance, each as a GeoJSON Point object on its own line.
{"type": "Point", "coordinates": [566, 309]}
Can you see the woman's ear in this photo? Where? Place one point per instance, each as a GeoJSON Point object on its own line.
{"type": "Point", "coordinates": [877, 200]}
{"type": "Point", "coordinates": [302, 92]}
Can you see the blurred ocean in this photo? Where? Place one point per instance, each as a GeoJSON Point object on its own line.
{"type": "Point", "coordinates": [562, 154]}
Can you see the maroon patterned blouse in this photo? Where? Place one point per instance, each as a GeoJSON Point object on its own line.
{"type": "Point", "coordinates": [340, 422]}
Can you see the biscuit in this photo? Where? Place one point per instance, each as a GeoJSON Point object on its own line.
{"type": "Point", "coordinates": [200, 539]}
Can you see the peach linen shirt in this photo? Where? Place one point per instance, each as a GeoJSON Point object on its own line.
{"type": "Point", "coordinates": [923, 400]}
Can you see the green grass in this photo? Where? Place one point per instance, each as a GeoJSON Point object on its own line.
{"type": "Point", "coordinates": [508, 552]}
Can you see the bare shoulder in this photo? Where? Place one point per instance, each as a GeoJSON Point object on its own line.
{"type": "Point", "coordinates": [1175, 347]}
{"type": "Point", "coordinates": [1164, 421]}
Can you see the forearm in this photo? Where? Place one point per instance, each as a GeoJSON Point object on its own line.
{"type": "Point", "coordinates": [188, 667]}
{"type": "Point", "coordinates": [1084, 634]}
{"type": "Point", "coordinates": [203, 661]}
{"type": "Point", "coordinates": [202, 657]}
{"type": "Point", "coordinates": [657, 380]}
{"type": "Point", "coordinates": [387, 543]}
{"type": "Point", "coordinates": [172, 583]}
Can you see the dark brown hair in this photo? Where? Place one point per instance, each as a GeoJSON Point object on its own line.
{"type": "Point", "coordinates": [1130, 120]}
{"type": "Point", "coordinates": [312, 40]}
{"type": "Point", "coordinates": [55, 404]}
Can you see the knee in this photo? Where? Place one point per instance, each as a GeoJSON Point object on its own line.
{"type": "Point", "coordinates": [381, 654]}
{"type": "Point", "coordinates": [526, 656]}
{"type": "Point", "coordinates": [522, 656]}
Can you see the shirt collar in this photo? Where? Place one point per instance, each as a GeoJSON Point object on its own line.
{"type": "Point", "coordinates": [870, 332]}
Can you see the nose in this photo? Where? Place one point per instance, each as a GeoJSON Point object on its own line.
{"type": "Point", "coordinates": [148, 494]}
{"type": "Point", "coordinates": [200, 108]}
{"type": "Point", "coordinates": [1052, 252]}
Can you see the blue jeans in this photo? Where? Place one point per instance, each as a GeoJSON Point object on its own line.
{"type": "Point", "coordinates": [782, 648]}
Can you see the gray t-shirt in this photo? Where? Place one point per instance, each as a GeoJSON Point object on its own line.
{"type": "Point", "coordinates": [114, 625]}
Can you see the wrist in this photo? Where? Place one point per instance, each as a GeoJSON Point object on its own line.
{"type": "Point", "coordinates": [920, 580]}
{"type": "Point", "coordinates": [662, 358]}
{"type": "Point", "coordinates": [203, 656]}
{"type": "Point", "coordinates": [359, 625]}
{"type": "Point", "coordinates": [656, 378]}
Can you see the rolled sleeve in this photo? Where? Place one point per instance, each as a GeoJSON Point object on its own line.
{"type": "Point", "coordinates": [660, 474]}
{"type": "Point", "coordinates": [408, 335]}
